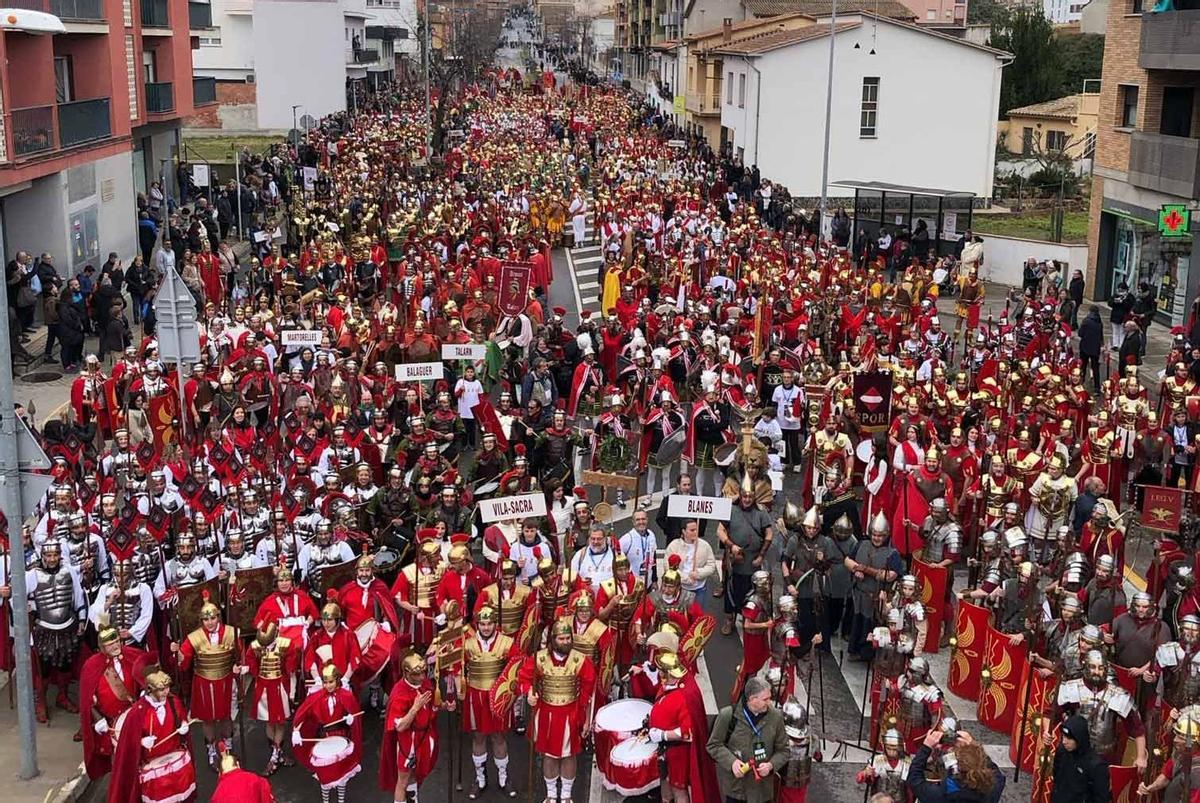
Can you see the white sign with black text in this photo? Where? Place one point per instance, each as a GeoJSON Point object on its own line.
{"type": "Point", "coordinates": [464, 351]}
{"type": "Point", "coordinates": [418, 371]}
{"type": "Point", "coordinates": [299, 338]}
{"type": "Point", "coordinates": [512, 507]}
{"type": "Point", "coordinates": [699, 507]}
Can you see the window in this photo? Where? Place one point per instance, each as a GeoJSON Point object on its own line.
{"type": "Point", "coordinates": [931, 14]}
{"type": "Point", "coordinates": [1128, 96]}
{"type": "Point", "coordinates": [149, 66]}
{"type": "Point", "coordinates": [741, 90]}
{"type": "Point", "coordinates": [1056, 140]}
{"type": "Point", "coordinates": [729, 88]}
{"type": "Point", "coordinates": [213, 39]}
{"type": "Point", "coordinates": [1135, 6]}
{"type": "Point", "coordinates": [64, 79]}
{"type": "Point", "coordinates": [869, 117]}
{"type": "Point", "coordinates": [1026, 141]}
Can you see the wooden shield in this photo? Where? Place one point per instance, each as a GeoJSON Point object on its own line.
{"type": "Point", "coordinates": [692, 643]}
{"type": "Point", "coordinates": [1029, 716]}
{"type": "Point", "coordinates": [1003, 665]}
{"type": "Point", "coordinates": [252, 587]}
{"type": "Point", "coordinates": [189, 602]}
{"type": "Point", "coordinates": [337, 576]}
{"type": "Point", "coordinates": [971, 623]}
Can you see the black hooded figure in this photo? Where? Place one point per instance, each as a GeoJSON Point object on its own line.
{"type": "Point", "coordinates": [1080, 774]}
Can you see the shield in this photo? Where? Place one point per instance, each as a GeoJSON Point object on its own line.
{"type": "Point", "coordinates": [723, 455]}
{"type": "Point", "coordinates": [671, 447]}
{"type": "Point", "coordinates": [188, 604]}
{"type": "Point", "coordinates": [504, 691]}
{"type": "Point", "coordinates": [693, 641]}
{"type": "Point", "coordinates": [251, 588]}
{"type": "Point", "coordinates": [531, 634]}
{"type": "Point", "coordinates": [1029, 717]}
{"type": "Point", "coordinates": [932, 582]}
{"type": "Point", "coordinates": [966, 654]}
{"type": "Point", "coordinates": [515, 280]}
{"type": "Point", "coordinates": [1003, 665]}
{"type": "Point", "coordinates": [1043, 776]}
{"type": "Point", "coordinates": [336, 576]}
{"type": "Point", "coordinates": [335, 503]}
{"type": "Point", "coordinates": [1123, 782]}
{"type": "Point", "coordinates": [553, 476]}
{"type": "Point", "coordinates": [873, 399]}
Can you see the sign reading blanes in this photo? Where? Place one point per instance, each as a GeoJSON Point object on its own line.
{"type": "Point", "coordinates": [699, 507]}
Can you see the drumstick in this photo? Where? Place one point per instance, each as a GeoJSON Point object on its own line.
{"type": "Point", "coordinates": [173, 733]}
{"type": "Point", "coordinates": [334, 724]}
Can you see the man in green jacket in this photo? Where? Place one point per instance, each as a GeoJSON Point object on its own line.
{"type": "Point", "coordinates": [748, 744]}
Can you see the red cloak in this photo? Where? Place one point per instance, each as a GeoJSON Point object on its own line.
{"type": "Point", "coordinates": [241, 786]}
{"type": "Point", "coordinates": [96, 760]}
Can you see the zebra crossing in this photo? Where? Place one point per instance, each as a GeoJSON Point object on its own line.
{"type": "Point", "coordinates": [585, 262]}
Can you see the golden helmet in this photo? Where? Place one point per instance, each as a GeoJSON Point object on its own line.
{"type": "Point", "coordinates": [158, 680]}
{"type": "Point", "coordinates": [413, 664]}
{"type": "Point", "coordinates": [459, 553]}
{"type": "Point", "coordinates": [669, 664]}
{"type": "Point", "coordinates": [266, 633]}
{"type": "Point", "coordinates": [365, 561]}
{"type": "Point", "coordinates": [108, 635]}
{"type": "Point", "coordinates": [209, 609]}
{"type": "Point", "coordinates": [330, 672]}
{"type": "Point", "coordinates": [562, 627]}
{"type": "Point", "coordinates": [485, 614]}
{"type": "Point", "coordinates": [1188, 724]}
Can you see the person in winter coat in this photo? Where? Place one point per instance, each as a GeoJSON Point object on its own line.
{"type": "Point", "coordinates": [731, 742]}
{"type": "Point", "coordinates": [1132, 346]}
{"type": "Point", "coordinates": [1122, 305]}
{"type": "Point", "coordinates": [1075, 290]}
{"type": "Point", "coordinates": [1080, 774]}
{"type": "Point", "coordinates": [71, 329]}
{"type": "Point", "coordinates": [1091, 342]}
{"type": "Point", "coordinates": [137, 280]}
{"type": "Point", "coordinates": [978, 780]}
{"type": "Point", "coordinates": [115, 337]}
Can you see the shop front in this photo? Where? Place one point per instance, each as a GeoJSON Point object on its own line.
{"type": "Point", "coordinates": [1132, 250]}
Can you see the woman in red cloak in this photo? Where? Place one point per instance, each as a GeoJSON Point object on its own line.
{"type": "Point", "coordinates": [329, 714]}
{"type": "Point", "coordinates": [153, 760]}
{"type": "Point", "coordinates": [410, 734]}
{"type": "Point", "coordinates": [916, 491]}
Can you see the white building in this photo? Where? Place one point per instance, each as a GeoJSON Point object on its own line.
{"type": "Point", "coordinates": [269, 56]}
{"type": "Point", "coordinates": [773, 106]}
{"type": "Point", "coordinates": [1062, 12]}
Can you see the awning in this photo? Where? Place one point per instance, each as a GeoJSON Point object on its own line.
{"type": "Point", "coordinates": [884, 186]}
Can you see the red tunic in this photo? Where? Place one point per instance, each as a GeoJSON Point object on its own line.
{"type": "Point", "coordinates": [97, 691]}
{"type": "Point", "coordinates": [162, 773]}
{"type": "Point", "coordinates": [670, 711]}
{"type": "Point", "coordinates": [292, 613]}
{"type": "Point", "coordinates": [341, 649]}
{"type": "Point", "coordinates": [464, 589]}
{"type": "Point", "coordinates": [558, 729]}
{"type": "Point", "coordinates": [322, 708]}
{"type": "Point", "coordinates": [414, 749]}
{"type": "Point", "coordinates": [271, 700]}
{"type": "Point", "coordinates": [241, 786]}
{"type": "Point", "coordinates": [477, 713]}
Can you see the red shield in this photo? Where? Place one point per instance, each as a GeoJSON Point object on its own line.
{"type": "Point", "coordinates": [1162, 508]}
{"type": "Point", "coordinates": [931, 580]}
{"type": "Point", "coordinates": [515, 280]}
{"type": "Point", "coordinates": [1123, 781]}
{"type": "Point", "coordinates": [971, 624]}
{"type": "Point", "coordinates": [1029, 716]}
{"type": "Point", "coordinates": [1003, 665]}
{"type": "Point", "coordinates": [161, 412]}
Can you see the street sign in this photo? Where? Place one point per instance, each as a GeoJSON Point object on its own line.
{"type": "Point", "coordinates": [29, 453]}
{"type": "Point", "coordinates": [33, 491]}
{"type": "Point", "coordinates": [178, 331]}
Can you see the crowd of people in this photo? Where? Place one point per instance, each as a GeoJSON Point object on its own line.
{"type": "Point", "coordinates": [309, 530]}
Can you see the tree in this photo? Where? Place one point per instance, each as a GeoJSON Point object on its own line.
{"type": "Point", "coordinates": [1035, 74]}
{"type": "Point", "coordinates": [988, 12]}
{"type": "Point", "coordinates": [1082, 58]}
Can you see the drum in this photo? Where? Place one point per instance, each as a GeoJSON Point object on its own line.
{"type": "Point", "coordinates": [632, 768]}
{"type": "Point", "coordinates": [168, 777]}
{"type": "Point", "coordinates": [294, 629]}
{"type": "Point", "coordinates": [376, 645]}
{"type": "Point", "coordinates": [615, 723]}
{"type": "Point", "coordinates": [865, 450]}
{"type": "Point", "coordinates": [723, 455]}
{"type": "Point", "coordinates": [331, 750]}
{"type": "Point", "coordinates": [387, 561]}
{"type": "Point", "coordinates": [939, 275]}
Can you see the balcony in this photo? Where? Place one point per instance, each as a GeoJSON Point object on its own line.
{"type": "Point", "coordinates": [66, 10]}
{"type": "Point", "coordinates": [703, 102]}
{"type": "Point", "coordinates": [83, 121]}
{"type": "Point", "coordinates": [160, 98]}
{"type": "Point", "coordinates": [1170, 41]}
{"type": "Point", "coordinates": [199, 16]}
{"type": "Point", "coordinates": [33, 130]}
{"type": "Point", "coordinates": [365, 56]}
{"type": "Point", "coordinates": [154, 14]}
{"type": "Point", "coordinates": [204, 91]}
{"type": "Point", "coordinates": [1165, 164]}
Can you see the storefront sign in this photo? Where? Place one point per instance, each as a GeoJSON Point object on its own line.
{"type": "Point", "coordinates": [1174, 220]}
{"type": "Point", "coordinates": [418, 371]}
{"type": "Point", "coordinates": [464, 351]}
{"type": "Point", "coordinates": [699, 507]}
{"type": "Point", "coordinates": [512, 507]}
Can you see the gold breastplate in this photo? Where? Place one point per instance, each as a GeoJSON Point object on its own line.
{"type": "Point", "coordinates": [622, 613]}
{"type": "Point", "coordinates": [425, 584]}
{"type": "Point", "coordinates": [270, 662]}
{"type": "Point", "coordinates": [484, 666]}
{"type": "Point", "coordinates": [587, 643]}
{"type": "Point", "coordinates": [214, 661]}
{"type": "Point", "coordinates": [1101, 446]}
{"type": "Point", "coordinates": [559, 685]}
{"type": "Point", "coordinates": [996, 496]}
{"type": "Point", "coordinates": [512, 612]}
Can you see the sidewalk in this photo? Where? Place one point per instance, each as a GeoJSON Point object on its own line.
{"type": "Point", "coordinates": [59, 758]}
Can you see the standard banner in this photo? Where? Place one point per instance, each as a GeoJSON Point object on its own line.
{"type": "Point", "coordinates": [512, 507]}
{"type": "Point", "coordinates": [1162, 508]}
{"type": "Point", "coordinates": [515, 280]}
{"type": "Point", "coordinates": [1041, 697]}
{"type": "Point", "coordinates": [699, 507]}
{"type": "Point", "coordinates": [1003, 664]}
{"type": "Point", "coordinates": [1123, 782]}
{"type": "Point", "coordinates": [418, 371]}
{"type": "Point", "coordinates": [971, 623]}
{"type": "Point", "coordinates": [464, 351]}
{"type": "Point", "coordinates": [299, 338]}
{"type": "Point", "coordinates": [932, 582]}
{"type": "Point", "coordinates": [873, 399]}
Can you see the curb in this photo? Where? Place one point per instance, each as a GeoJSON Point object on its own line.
{"type": "Point", "coordinates": [71, 790]}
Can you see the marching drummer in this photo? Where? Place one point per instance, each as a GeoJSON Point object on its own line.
{"type": "Point", "coordinates": [327, 734]}
{"type": "Point", "coordinates": [153, 760]}
{"type": "Point", "coordinates": [486, 651]}
{"type": "Point", "coordinates": [332, 644]}
{"type": "Point", "coordinates": [559, 682]}
{"type": "Point", "coordinates": [273, 660]}
{"type": "Point", "coordinates": [367, 599]}
{"type": "Point", "coordinates": [108, 685]}
{"type": "Point", "coordinates": [215, 651]}
{"type": "Point", "coordinates": [410, 735]}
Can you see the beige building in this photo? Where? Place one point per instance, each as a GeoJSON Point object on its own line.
{"type": "Point", "coordinates": [1063, 124]}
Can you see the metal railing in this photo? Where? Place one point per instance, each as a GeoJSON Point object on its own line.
{"type": "Point", "coordinates": [83, 121]}
{"type": "Point", "coordinates": [33, 130]}
{"type": "Point", "coordinates": [155, 15]}
{"type": "Point", "coordinates": [204, 91]}
{"type": "Point", "coordinates": [160, 97]}
{"type": "Point", "coordinates": [365, 56]}
{"type": "Point", "coordinates": [84, 10]}
{"type": "Point", "coordinates": [199, 16]}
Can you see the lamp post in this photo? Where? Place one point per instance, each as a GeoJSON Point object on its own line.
{"type": "Point", "coordinates": [828, 116]}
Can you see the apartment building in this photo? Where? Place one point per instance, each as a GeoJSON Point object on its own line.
{"type": "Point", "coordinates": [1147, 156]}
{"type": "Point", "coordinates": [91, 116]}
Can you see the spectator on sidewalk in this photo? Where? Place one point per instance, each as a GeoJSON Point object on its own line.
{"type": "Point", "coordinates": [50, 316]}
{"type": "Point", "coordinates": [1075, 290]}
{"type": "Point", "coordinates": [164, 260]}
{"type": "Point", "coordinates": [103, 299]}
{"type": "Point", "coordinates": [147, 235]}
{"type": "Point", "coordinates": [115, 268]}
{"type": "Point", "coordinates": [155, 200]}
{"type": "Point", "coordinates": [114, 337]}
{"type": "Point", "coordinates": [22, 296]}
{"type": "Point", "coordinates": [1132, 346]}
{"type": "Point", "coordinates": [72, 326]}
{"type": "Point", "coordinates": [137, 280]}
{"type": "Point", "coordinates": [1145, 304]}
{"type": "Point", "coordinates": [1122, 305]}
{"type": "Point", "coordinates": [51, 284]}
{"type": "Point", "coordinates": [1091, 342]}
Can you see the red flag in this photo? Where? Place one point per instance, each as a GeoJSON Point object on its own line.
{"type": "Point", "coordinates": [161, 412]}
{"type": "Point", "coordinates": [514, 284]}
{"type": "Point", "coordinates": [1162, 508]}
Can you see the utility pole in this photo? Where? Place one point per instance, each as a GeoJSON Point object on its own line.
{"type": "Point", "coordinates": [828, 117]}
{"type": "Point", "coordinates": [428, 42]}
{"type": "Point", "coordinates": [10, 497]}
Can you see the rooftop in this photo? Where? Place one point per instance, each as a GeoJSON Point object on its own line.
{"type": "Point", "coordinates": [777, 39]}
{"type": "Point", "coordinates": [1059, 108]}
{"type": "Point", "coordinates": [822, 8]}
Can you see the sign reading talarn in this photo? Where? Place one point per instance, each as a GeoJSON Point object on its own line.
{"type": "Point", "coordinates": [699, 507]}
{"type": "Point", "coordinates": [512, 507]}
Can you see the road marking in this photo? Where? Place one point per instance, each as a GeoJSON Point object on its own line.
{"type": "Point", "coordinates": [588, 285]}
{"type": "Point", "coordinates": [589, 260]}
{"type": "Point", "coordinates": [574, 284]}
{"type": "Point", "coordinates": [591, 300]}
